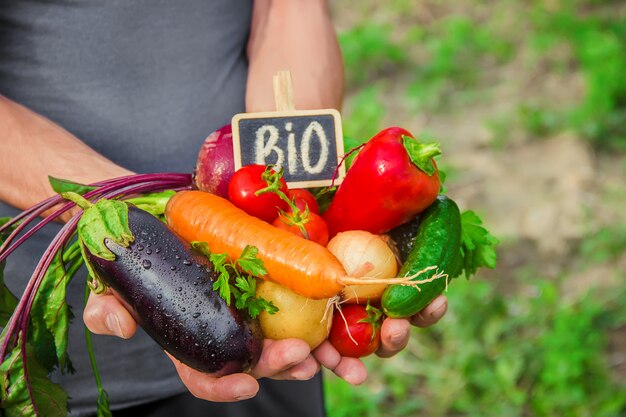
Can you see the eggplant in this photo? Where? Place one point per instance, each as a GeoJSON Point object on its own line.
{"type": "Point", "coordinates": [168, 289]}
{"type": "Point", "coordinates": [404, 237]}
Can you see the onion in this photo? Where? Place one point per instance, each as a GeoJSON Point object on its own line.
{"type": "Point", "coordinates": [366, 255]}
{"type": "Point", "coordinates": [216, 165]}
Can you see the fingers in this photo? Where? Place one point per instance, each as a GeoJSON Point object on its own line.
{"type": "Point", "coordinates": [104, 314]}
{"type": "Point", "coordinates": [432, 313]}
{"type": "Point", "coordinates": [278, 356]}
{"type": "Point", "coordinates": [303, 371]}
{"type": "Point", "coordinates": [394, 336]}
{"type": "Point", "coordinates": [395, 333]}
{"type": "Point", "coordinates": [234, 387]}
{"type": "Point", "coordinates": [352, 370]}
{"type": "Point", "coordinates": [280, 359]}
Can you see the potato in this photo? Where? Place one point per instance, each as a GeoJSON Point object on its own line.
{"type": "Point", "coordinates": [297, 316]}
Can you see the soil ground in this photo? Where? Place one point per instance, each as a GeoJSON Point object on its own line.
{"type": "Point", "coordinates": [541, 196]}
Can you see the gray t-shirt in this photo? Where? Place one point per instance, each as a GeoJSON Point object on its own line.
{"type": "Point", "coordinates": [143, 82]}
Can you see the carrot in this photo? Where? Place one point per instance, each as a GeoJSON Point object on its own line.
{"type": "Point", "coordinates": [301, 265]}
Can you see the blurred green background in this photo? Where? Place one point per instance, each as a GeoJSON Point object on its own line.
{"type": "Point", "coordinates": [528, 100]}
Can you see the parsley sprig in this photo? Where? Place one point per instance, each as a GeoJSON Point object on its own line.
{"type": "Point", "coordinates": [478, 246]}
{"type": "Point", "coordinates": [236, 278]}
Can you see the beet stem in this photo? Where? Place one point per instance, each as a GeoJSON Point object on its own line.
{"type": "Point", "coordinates": [64, 235]}
{"type": "Point", "coordinates": [113, 188]}
{"type": "Point", "coordinates": [20, 318]}
{"type": "Point", "coordinates": [36, 208]}
{"type": "Point", "coordinates": [179, 181]}
{"type": "Point", "coordinates": [22, 311]}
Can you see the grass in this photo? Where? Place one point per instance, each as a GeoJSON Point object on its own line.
{"type": "Point", "coordinates": [451, 62]}
{"type": "Point", "coordinates": [598, 50]}
{"type": "Point", "coordinates": [521, 344]}
{"type": "Point", "coordinates": [536, 355]}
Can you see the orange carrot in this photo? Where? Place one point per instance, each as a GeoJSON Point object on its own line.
{"type": "Point", "coordinates": [301, 265]}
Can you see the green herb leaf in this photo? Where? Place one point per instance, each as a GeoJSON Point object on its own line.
{"type": "Point", "coordinates": [62, 186]}
{"type": "Point", "coordinates": [49, 398]}
{"type": "Point", "coordinates": [247, 286]}
{"type": "Point", "coordinates": [218, 260]}
{"type": "Point", "coordinates": [257, 305]}
{"type": "Point", "coordinates": [248, 262]}
{"type": "Point", "coordinates": [246, 297]}
{"type": "Point", "coordinates": [478, 246]}
{"type": "Point", "coordinates": [221, 266]}
{"type": "Point", "coordinates": [231, 283]}
{"type": "Point", "coordinates": [50, 302]}
{"type": "Point", "coordinates": [248, 300]}
{"type": "Point", "coordinates": [422, 154]}
{"type": "Point", "coordinates": [49, 332]}
{"type": "Point", "coordinates": [222, 285]}
{"type": "Point", "coordinates": [8, 301]}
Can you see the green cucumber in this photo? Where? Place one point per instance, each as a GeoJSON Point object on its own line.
{"type": "Point", "coordinates": [437, 243]}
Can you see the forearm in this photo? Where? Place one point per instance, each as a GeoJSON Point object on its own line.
{"type": "Point", "coordinates": [297, 36]}
{"type": "Point", "coordinates": [34, 147]}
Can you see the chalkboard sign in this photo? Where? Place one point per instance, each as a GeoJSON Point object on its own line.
{"type": "Point", "coordinates": [307, 144]}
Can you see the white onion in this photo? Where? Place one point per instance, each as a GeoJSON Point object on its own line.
{"type": "Point", "coordinates": [365, 255]}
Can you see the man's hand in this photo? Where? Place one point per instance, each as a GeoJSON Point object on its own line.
{"type": "Point", "coordinates": [280, 359]}
{"type": "Point", "coordinates": [395, 332]}
{"type": "Point", "coordinates": [394, 338]}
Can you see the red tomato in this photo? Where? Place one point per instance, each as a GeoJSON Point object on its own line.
{"type": "Point", "coordinates": [247, 181]}
{"type": "Point", "coordinates": [315, 227]}
{"type": "Point", "coordinates": [363, 324]}
{"type": "Point", "coordinates": [303, 198]}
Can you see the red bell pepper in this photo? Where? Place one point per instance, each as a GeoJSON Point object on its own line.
{"type": "Point", "coordinates": [392, 179]}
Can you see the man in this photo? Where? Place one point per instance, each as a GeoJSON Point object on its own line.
{"type": "Point", "coordinates": [99, 89]}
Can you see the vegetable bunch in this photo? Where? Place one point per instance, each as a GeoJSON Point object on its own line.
{"type": "Point", "coordinates": [395, 241]}
{"type": "Point", "coordinates": [184, 252]}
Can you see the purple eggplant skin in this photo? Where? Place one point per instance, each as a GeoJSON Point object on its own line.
{"type": "Point", "coordinates": [168, 289]}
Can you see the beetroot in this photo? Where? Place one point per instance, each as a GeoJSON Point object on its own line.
{"type": "Point", "coordinates": [215, 164]}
